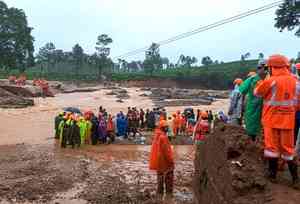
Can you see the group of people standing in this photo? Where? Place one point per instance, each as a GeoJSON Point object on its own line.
{"type": "Point", "coordinates": [272, 100]}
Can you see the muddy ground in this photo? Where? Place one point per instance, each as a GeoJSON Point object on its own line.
{"type": "Point", "coordinates": [106, 174]}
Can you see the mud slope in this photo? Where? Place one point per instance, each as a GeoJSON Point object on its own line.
{"type": "Point", "coordinates": [219, 179]}
{"type": "Point", "coordinates": [228, 169]}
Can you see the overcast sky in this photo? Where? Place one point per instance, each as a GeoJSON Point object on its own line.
{"type": "Point", "coordinates": [135, 24]}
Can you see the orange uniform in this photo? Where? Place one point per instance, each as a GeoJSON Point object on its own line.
{"type": "Point", "coordinates": [161, 156]}
{"type": "Point", "coordinates": [280, 93]}
{"type": "Point", "coordinates": [176, 124]}
{"type": "Point", "coordinates": [110, 125]}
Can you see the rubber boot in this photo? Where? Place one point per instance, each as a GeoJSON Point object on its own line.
{"type": "Point", "coordinates": [273, 166]}
{"type": "Point", "coordinates": [294, 173]}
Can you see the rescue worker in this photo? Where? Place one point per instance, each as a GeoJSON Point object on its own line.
{"type": "Point", "coordinates": [201, 128]}
{"type": "Point", "coordinates": [210, 120]}
{"type": "Point", "coordinates": [57, 121]}
{"type": "Point", "coordinates": [297, 118]}
{"type": "Point", "coordinates": [82, 124]}
{"type": "Point", "coordinates": [170, 129]}
{"type": "Point", "coordinates": [176, 124]}
{"type": "Point", "coordinates": [183, 123]}
{"type": "Point", "coordinates": [110, 129]}
{"type": "Point", "coordinates": [94, 130]}
{"type": "Point", "coordinates": [142, 118]}
{"type": "Point", "coordinates": [102, 131]}
{"type": "Point", "coordinates": [75, 134]}
{"type": "Point", "coordinates": [65, 130]}
{"type": "Point", "coordinates": [280, 93]}
{"type": "Point", "coordinates": [254, 104]}
{"type": "Point", "coordinates": [161, 159]}
{"type": "Point", "coordinates": [236, 101]}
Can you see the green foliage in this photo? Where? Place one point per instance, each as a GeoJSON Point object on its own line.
{"type": "Point", "coordinates": [186, 61]}
{"type": "Point", "coordinates": [16, 41]}
{"type": "Point", "coordinates": [206, 61]}
{"type": "Point", "coordinates": [287, 17]}
{"type": "Point", "coordinates": [101, 57]}
{"type": "Point", "coordinates": [153, 60]}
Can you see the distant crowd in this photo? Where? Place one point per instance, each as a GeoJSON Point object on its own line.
{"type": "Point", "coordinates": [76, 129]}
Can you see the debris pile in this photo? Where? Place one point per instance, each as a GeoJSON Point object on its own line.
{"type": "Point", "coordinates": [229, 169]}
{"type": "Point", "coordinates": [10, 100]}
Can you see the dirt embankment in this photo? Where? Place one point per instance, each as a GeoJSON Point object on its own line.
{"type": "Point", "coordinates": [230, 170]}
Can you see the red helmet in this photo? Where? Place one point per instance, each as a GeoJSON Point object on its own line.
{"type": "Point", "coordinates": [278, 61]}
{"type": "Point", "coordinates": [297, 66]}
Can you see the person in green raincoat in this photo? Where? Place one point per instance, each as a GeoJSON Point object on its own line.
{"type": "Point", "coordinates": [83, 125]}
{"type": "Point", "coordinates": [253, 110]}
{"type": "Point", "coordinates": [65, 130]}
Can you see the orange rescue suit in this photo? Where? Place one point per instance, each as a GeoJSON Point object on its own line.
{"type": "Point", "coordinates": [161, 155]}
{"type": "Point", "coordinates": [280, 93]}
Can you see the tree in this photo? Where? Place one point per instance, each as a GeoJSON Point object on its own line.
{"type": "Point", "coordinates": [16, 41]}
{"type": "Point", "coordinates": [46, 56]}
{"type": "Point", "coordinates": [165, 62]}
{"type": "Point", "coordinates": [287, 17]}
{"type": "Point", "coordinates": [245, 56]}
{"type": "Point", "coordinates": [261, 56]}
{"type": "Point", "coordinates": [153, 60]}
{"type": "Point", "coordinates": [103, 51]}
{"type": "Point", "coordinates": [78, 56]}
{"type": "Point", "coordinates": [186, 61]}
{"type": "Point", "coordinates": [206, 61]}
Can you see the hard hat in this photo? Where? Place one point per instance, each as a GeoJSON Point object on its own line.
{"type": "Point", "coordinates": [297, 66]}
{"type": "Point", "coordinates": [250, 74]}
{"type": "Point", "coordinates": [204, 115]}
{"type": "Point", "coordinates": [163, 124]}
{"type": "Point", "coordinates": [278, 61]}
{"type": "Point", "coordinates": [238, 81]}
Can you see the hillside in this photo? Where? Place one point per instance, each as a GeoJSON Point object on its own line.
{"type": "Point", "coordinates": [218, 76]}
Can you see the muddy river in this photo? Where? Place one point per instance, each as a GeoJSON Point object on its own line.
{"type": "Point", "coordinates": [34, 169]}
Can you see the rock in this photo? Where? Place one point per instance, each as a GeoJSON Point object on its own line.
{"type": "Point", "coordinates": [120, 101]}
{"type": "Point", "coordinates": [24, 91]}
{"type": "Point", "coordinates": [122, 91]}
{"type": "Point", "coordinates": [10, 100]}
{"type": "Point", "coordinates": [112, 93]}
{"type": "Point", "coordinates": [77, 90]}
{"type": "Point", "coordinates": [144, 95]}
{"type": "Point", "coordinates": [145, 89]}
{"type": "Point", "coordinates": [123, 96]}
